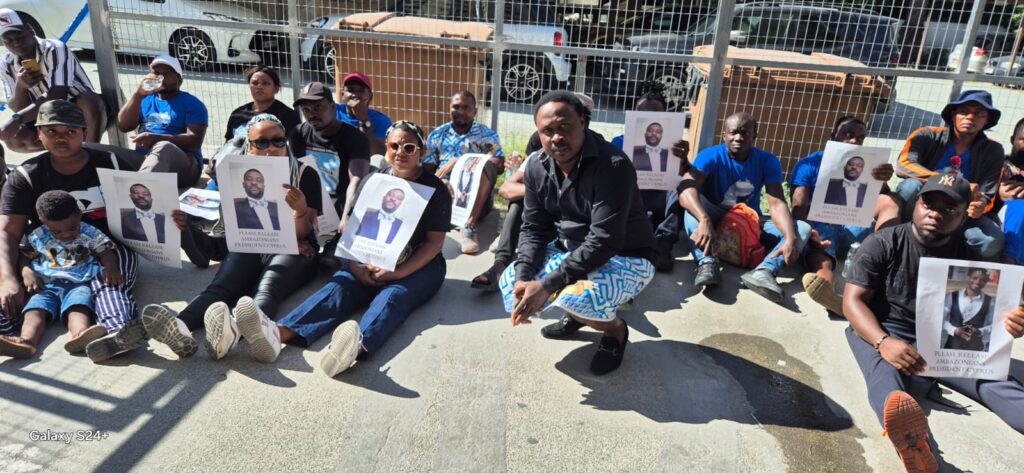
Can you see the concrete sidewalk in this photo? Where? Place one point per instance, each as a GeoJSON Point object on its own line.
{"type": "Point", "coordinates": [722, 381]}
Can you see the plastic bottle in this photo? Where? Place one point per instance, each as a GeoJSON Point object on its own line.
{"type": "Point", "coordinates": [150, 84]}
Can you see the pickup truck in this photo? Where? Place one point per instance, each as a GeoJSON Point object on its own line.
{"type": "Point", "coordinates": [525, 75]}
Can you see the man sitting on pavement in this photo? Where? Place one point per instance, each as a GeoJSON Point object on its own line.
{"type": "Point", "coordinates": [34, 71]}
{"type": "Point", "coordinates": [880, 302]}
{"type": "Point", "coordinates": [354, 109]}
{"type": "Point", "coordinates": [962, 146]}
{"type": "Point", "coordinates": [734, 172]}
{"type": "Point", "coordinates": [462, 135]}
{"type": "Point", "coordinates": [830, 242]}
{"type": "Point", "coordinates": [170, 123]}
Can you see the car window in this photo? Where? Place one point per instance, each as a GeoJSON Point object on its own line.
{"type": "Point", "coordinates": [761, 28]}
{"type": "Point", "coordinates": [814, 31]}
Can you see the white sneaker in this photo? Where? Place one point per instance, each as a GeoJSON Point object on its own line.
{"type": "Point", "coordinates": [163, 325]}
{"type": "Point", "coordinates": [221, 330]}
{"type": "Point", "coordinates": [341, 354]}
{"type": "Point", "coordinates": [262, 333]}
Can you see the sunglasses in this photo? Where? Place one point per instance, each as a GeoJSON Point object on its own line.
{"type": "Point", "coordinates": [264, 144]}
{"type": "Point", "coordinates": [407, 148]}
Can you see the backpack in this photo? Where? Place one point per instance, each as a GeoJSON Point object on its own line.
{"type": "Point", "coordinates": [738, 239]}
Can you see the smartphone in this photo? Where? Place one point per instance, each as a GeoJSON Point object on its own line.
{"type": "Point", "coordinates": [30, 64]}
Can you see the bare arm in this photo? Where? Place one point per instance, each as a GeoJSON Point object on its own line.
{"type": "Point", "coordinates": [513, 189]}
{"type": "Point", "coordinates": [111, 273]}
{"type": "Point", "coordinates": [801, 202]}
{"type": "Point", "coordinates": [896, 352]}
{"type": "Point", "coordinates": [357, 170]}
{"type": "Point", "coordinates": [128, 116]}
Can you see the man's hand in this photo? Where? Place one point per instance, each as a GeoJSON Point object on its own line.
{"type": "Point", "coordinates": [360, 109]}
{"type": "Point", "coordinates": [9, 129]}
{"type": "Point", "coordinates": [883, 172]}
{"type": "Point", "coordinates": [142, 92]}
{"type": "Point", "coordinates": [965, 333]}
{"type": "Point", "coordinates": [29, 78]}
{"type": "Point", "coordinates": [902, 356]}
{"type": "Point", "coordinates": [704, 236]}
{"type": "Point", "coordinates": [530, 297]}
{"type": "Point", "coordinates": [788, 251]}
{"type": "Point", "coordinates": [112, 276]}
{"type": "Point", "coordinates": [12, 296]}
{"type": "Point", "coordinates": [180, 219]}
{"type": "Point", "coordinates": [295, 199]}
{"type": "Point", "coordinates": [681, 150]}
{"type": "Point", "coordinates": [145, 140]}
{"type": "Point", "coordinates": [513, 160]}
{"type": "Point", "coordinates": [1014, 322]}
{"type": "Point", "coordinates": [815, 241]}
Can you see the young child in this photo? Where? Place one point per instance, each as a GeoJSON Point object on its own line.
{"type": "Point", "coordinates": [60, 274]}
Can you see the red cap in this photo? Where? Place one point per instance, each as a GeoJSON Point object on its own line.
{"type": "Point", "coordinates": [357, 76]}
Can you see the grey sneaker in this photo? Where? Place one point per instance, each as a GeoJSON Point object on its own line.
{"type": "Point", "coordinates": [262, 333]}
{"type": "Point", "coordinates": [708, 274]}
{"type": "Point", "coordinates": [131, 336]}
{"type": "Point", "coordinates": [470, 246]}
{"type": "Point", "coordinates": [763, 283]}
{"type": "Point", "coordinates": [221, 330]}
{"type": "Point", "coordinates": [341, 354]}
{"type": "Point", "coordinates": [164, 326]}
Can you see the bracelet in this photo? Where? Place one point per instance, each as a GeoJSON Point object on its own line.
{"type": "Point", "coordinates": [879, 342]}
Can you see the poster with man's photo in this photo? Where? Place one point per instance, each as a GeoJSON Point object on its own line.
{"type": "Point", "coordinates": [960, 310]}
{"type": "Point", "coordinates": [202, 203]}
{"type": "Point", "coordinates": [257, 219]}
{"type": "Point", "coordinates": [465, 181]}
{"type": "Point", "coordinates": [327, 222]}
{"type": "Point", "coordinates": [383, 220]}
{"type": "Point", "coordinates": [139, 207]}
{"type": "Point", "coordinates": [648, 143]}
{"type": "Point", "coordinates": [845, 193]}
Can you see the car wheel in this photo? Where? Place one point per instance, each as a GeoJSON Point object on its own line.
{"type": "Point", "coordinates": [523, 79]}
{"type": "Point", "coordinates": [674, 82]}
{"type": "Point", "coordinates": [194, 49]}
{"type": "Point", "coordinates": [28, 20]}
{"type": "Point", "coordinates": [330, 62]}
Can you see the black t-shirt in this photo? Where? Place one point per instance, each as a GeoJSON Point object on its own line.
{"type": "Point", "coordinates": [348, 144]}
{"type": "Point", "coordinates": [309, 184]}
{"type": "Point", "coordinates": [242, 115]}
{"type": "Point", "coordinates": [438, 214]}
{"type": "Point", "coordinates": [20, 194]}
{"type": "Point", "coordinates": [887, 263]}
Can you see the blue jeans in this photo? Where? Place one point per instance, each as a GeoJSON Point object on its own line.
{"type": "Point", "coordinates": [716, 213]}
{"type": "Point", "coordinates": [343, 295]}
{"type": "Point", "coordinates": [983, 235]}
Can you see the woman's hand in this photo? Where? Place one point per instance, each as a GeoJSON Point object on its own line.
{"type": "Point", "coordinates": [382, 275]}
{"type": "Point", "coordinates": [295, 198]}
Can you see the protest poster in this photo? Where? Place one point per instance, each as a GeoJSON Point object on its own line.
{"type": "Point", "coordinates": [465, 181]}
{"type": "Point", "coordinates": [328, 220]}
{"type": "Point", "coordinates": [202, 203]}
{"type": "Point", "coordinates": [383, 219]}
{"type": "Point", "coordinates": [845, 193]}
{"type": "Point", "coordinates": [139, 207]}
{"type": "Point", "coordinates": [256, 216]}
{"type": "Point", "coordinates": [960, 310]}
{"type": "Point", "coordinates": [648, 142]}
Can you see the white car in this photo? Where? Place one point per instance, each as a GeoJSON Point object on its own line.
{"type": "Point", "coordinates": [975, 62]}
{"type": "Point", "coordinates": [197, 47]}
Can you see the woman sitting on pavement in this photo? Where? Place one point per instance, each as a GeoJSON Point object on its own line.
{"type": "Point", "coordinates": [274, 277]}
{"type": "Point", "coordinates": [390, 295]}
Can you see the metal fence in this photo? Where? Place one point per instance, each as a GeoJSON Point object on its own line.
{"type": "Point", "coordinates": [893, 63]}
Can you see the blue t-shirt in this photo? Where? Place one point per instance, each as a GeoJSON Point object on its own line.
{"type": "Point", "coordinates": [805, 174]}
{"type": "Point", "coordinates": [73, 260]}
{"type": "Point", "coordinates": [729, 182]}
{"type": "Point", "coordinates": [380, 121]}
{"type": "Point", "coordinates": [1013, 226]}
{"type": "Point", "coordinates": [171, 117]}
{"type": "Point", "coordinates": [947, 156]}
{"type": "Point", "coordinates": [619, 141]}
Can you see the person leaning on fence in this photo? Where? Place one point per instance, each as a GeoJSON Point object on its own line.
{"type": "Point", "coordinates": [585, 241]}
{"type": "Point", "coordinates": [271, 278]}
{"type": "Point", "coordinates": [962, 146]}
{"type": "Point", "coordinates": [56, 74]}
{"type": "Point", "coordinates": [463, 134]}
{"type": "Point", "coordinates": [67, 166]}
{"type": "Point", "coordinates": [731, 173]}
{"type": "Point", "coordinates": [390, 297]}
{"type": "Point", "coordinates": [354, 110]}
{"type": "Point", "coordinates": [831, 242]}
{"type": "Point", "coordinates": [170, 123]}
{"type": "Point", "coordinates": [264, 85]}
{"type": "Point", "coordinates": [880, 301]}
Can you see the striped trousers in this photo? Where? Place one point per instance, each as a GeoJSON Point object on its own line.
{"type": "Point", "coordinates": [114, 305]}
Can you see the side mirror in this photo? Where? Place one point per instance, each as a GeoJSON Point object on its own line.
{"type": "Point", "coordinates": [737, 36]}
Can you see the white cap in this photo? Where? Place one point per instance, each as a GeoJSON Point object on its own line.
{"type": "Point", "coordinates": [10, 21]}
{"type": "Point", "coordinates": [168, 61]}
{"type": "Point", "coordinates": [587, 101]}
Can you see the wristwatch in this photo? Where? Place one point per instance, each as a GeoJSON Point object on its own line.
{"type": "Point", "coordinates": [367, 124]}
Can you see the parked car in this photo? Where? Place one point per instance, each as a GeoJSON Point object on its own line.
{"type": "Point", "coordinates": [855, 34]}
{"type": "Point", "coordinates": [999, 66]}
{"type": "Point", "coordinates": [975, 62]}
{"type": "Point", "coordinates": [197, 47]}
{"type": "Point", "coordinates": [525, 75]}
{"type": "Point", "coordinates": [940, 37]}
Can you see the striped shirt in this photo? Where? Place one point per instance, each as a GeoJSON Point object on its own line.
{"type": "Point", "coordinates": [57, 63]}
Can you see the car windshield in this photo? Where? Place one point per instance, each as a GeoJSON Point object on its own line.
{"type": "Point", "coordinates": [705, 26]}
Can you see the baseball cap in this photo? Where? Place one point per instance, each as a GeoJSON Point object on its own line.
{"type": "Point", "coordinates": [10, 21]}
{"type": "Point", "coordinates": [358, 77]}
{"type": "Point", "coordinates": [314, 92]}
{"type": "Point", "coordinates": [169, 61]}
{"type": "Point", "coordinates": [60, 112]}
{"type": "Point", "coordinates": [953, 185]}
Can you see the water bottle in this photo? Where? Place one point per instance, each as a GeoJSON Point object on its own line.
{"type": "Point", "coordinates": [150, 84]}
{"type": "Point", "coordinates": [848, 264]}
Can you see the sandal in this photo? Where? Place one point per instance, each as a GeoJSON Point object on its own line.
{"type": "Point", "coordinates": [16, 347]}
{"type": "Point", "coordinates": [488, 280]}
{"type": "Point", "coordinates": [77, 344]}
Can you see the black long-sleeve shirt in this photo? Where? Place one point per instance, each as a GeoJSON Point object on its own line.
{"type": "Point", "coordinates": [595, 212]}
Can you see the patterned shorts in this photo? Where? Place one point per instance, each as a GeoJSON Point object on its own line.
{"type": "Point", "coordinates": [596, 298]}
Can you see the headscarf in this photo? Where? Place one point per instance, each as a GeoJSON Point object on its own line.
{"type": "Point", "coordinates": [293, 163]}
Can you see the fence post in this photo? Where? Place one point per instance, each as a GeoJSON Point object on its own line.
{"type": "Point", "coordinates": [294, 57]}
{"type": "Point", "coordinates": [106, 64]}
{"type": "Point", "coordinates": [497, 51]}
{"type": "Point", "coordinates": [726, 11]}
{"type": "Point", "coordinates": [968, 47]}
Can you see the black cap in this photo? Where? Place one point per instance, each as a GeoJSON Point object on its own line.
{"type": "Point", "coordinates": [313, 92]}
{"type": "Point", "coordinates": [60, 112]}
{"type": "Point", "coordinates": [953, 185]}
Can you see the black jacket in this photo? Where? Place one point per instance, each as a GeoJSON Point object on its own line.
{"type": "Point", "coordinates": [925, 147]}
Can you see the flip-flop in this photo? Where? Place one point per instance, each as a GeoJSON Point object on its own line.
{"type": "Point", "coordinates": [492, 281]}
{"type": "Point", "coordinates": [15, 347]}
{"type": "Point", "coordinates": [77, 344]}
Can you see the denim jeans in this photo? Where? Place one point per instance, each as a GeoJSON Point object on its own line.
{"type": "Point", "coordinates": [343, 295]}
{"type": "Point", "coordinates": [983, 235]}
{"type": "Point", "coordinates": [716, 213]}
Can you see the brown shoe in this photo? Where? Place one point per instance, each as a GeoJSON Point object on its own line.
{"type": "Point", "coordinates": [77, 344]}
{"type": "Point", "coordinates": [16, 347]}
{"type": "Point", "coordinates": [822, 292]}
{"type": "Point", "coordinates": [907, 428]}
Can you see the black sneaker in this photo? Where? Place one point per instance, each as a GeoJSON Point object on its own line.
{"type": "Point", "coordinates": [665, 260]}
{"type": "Point", "coordinates": [708, 274]}
{"type": "Point", "coordinates": [192, 240]}
{"type": "Point", "coordinates": [131, 336]}
{"type": "Point", "coordinates": [609, 354]}
{"type": "Point", "coordinates": [565, 327]}
{"type": "Point", "coordinates": [763, 283]}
